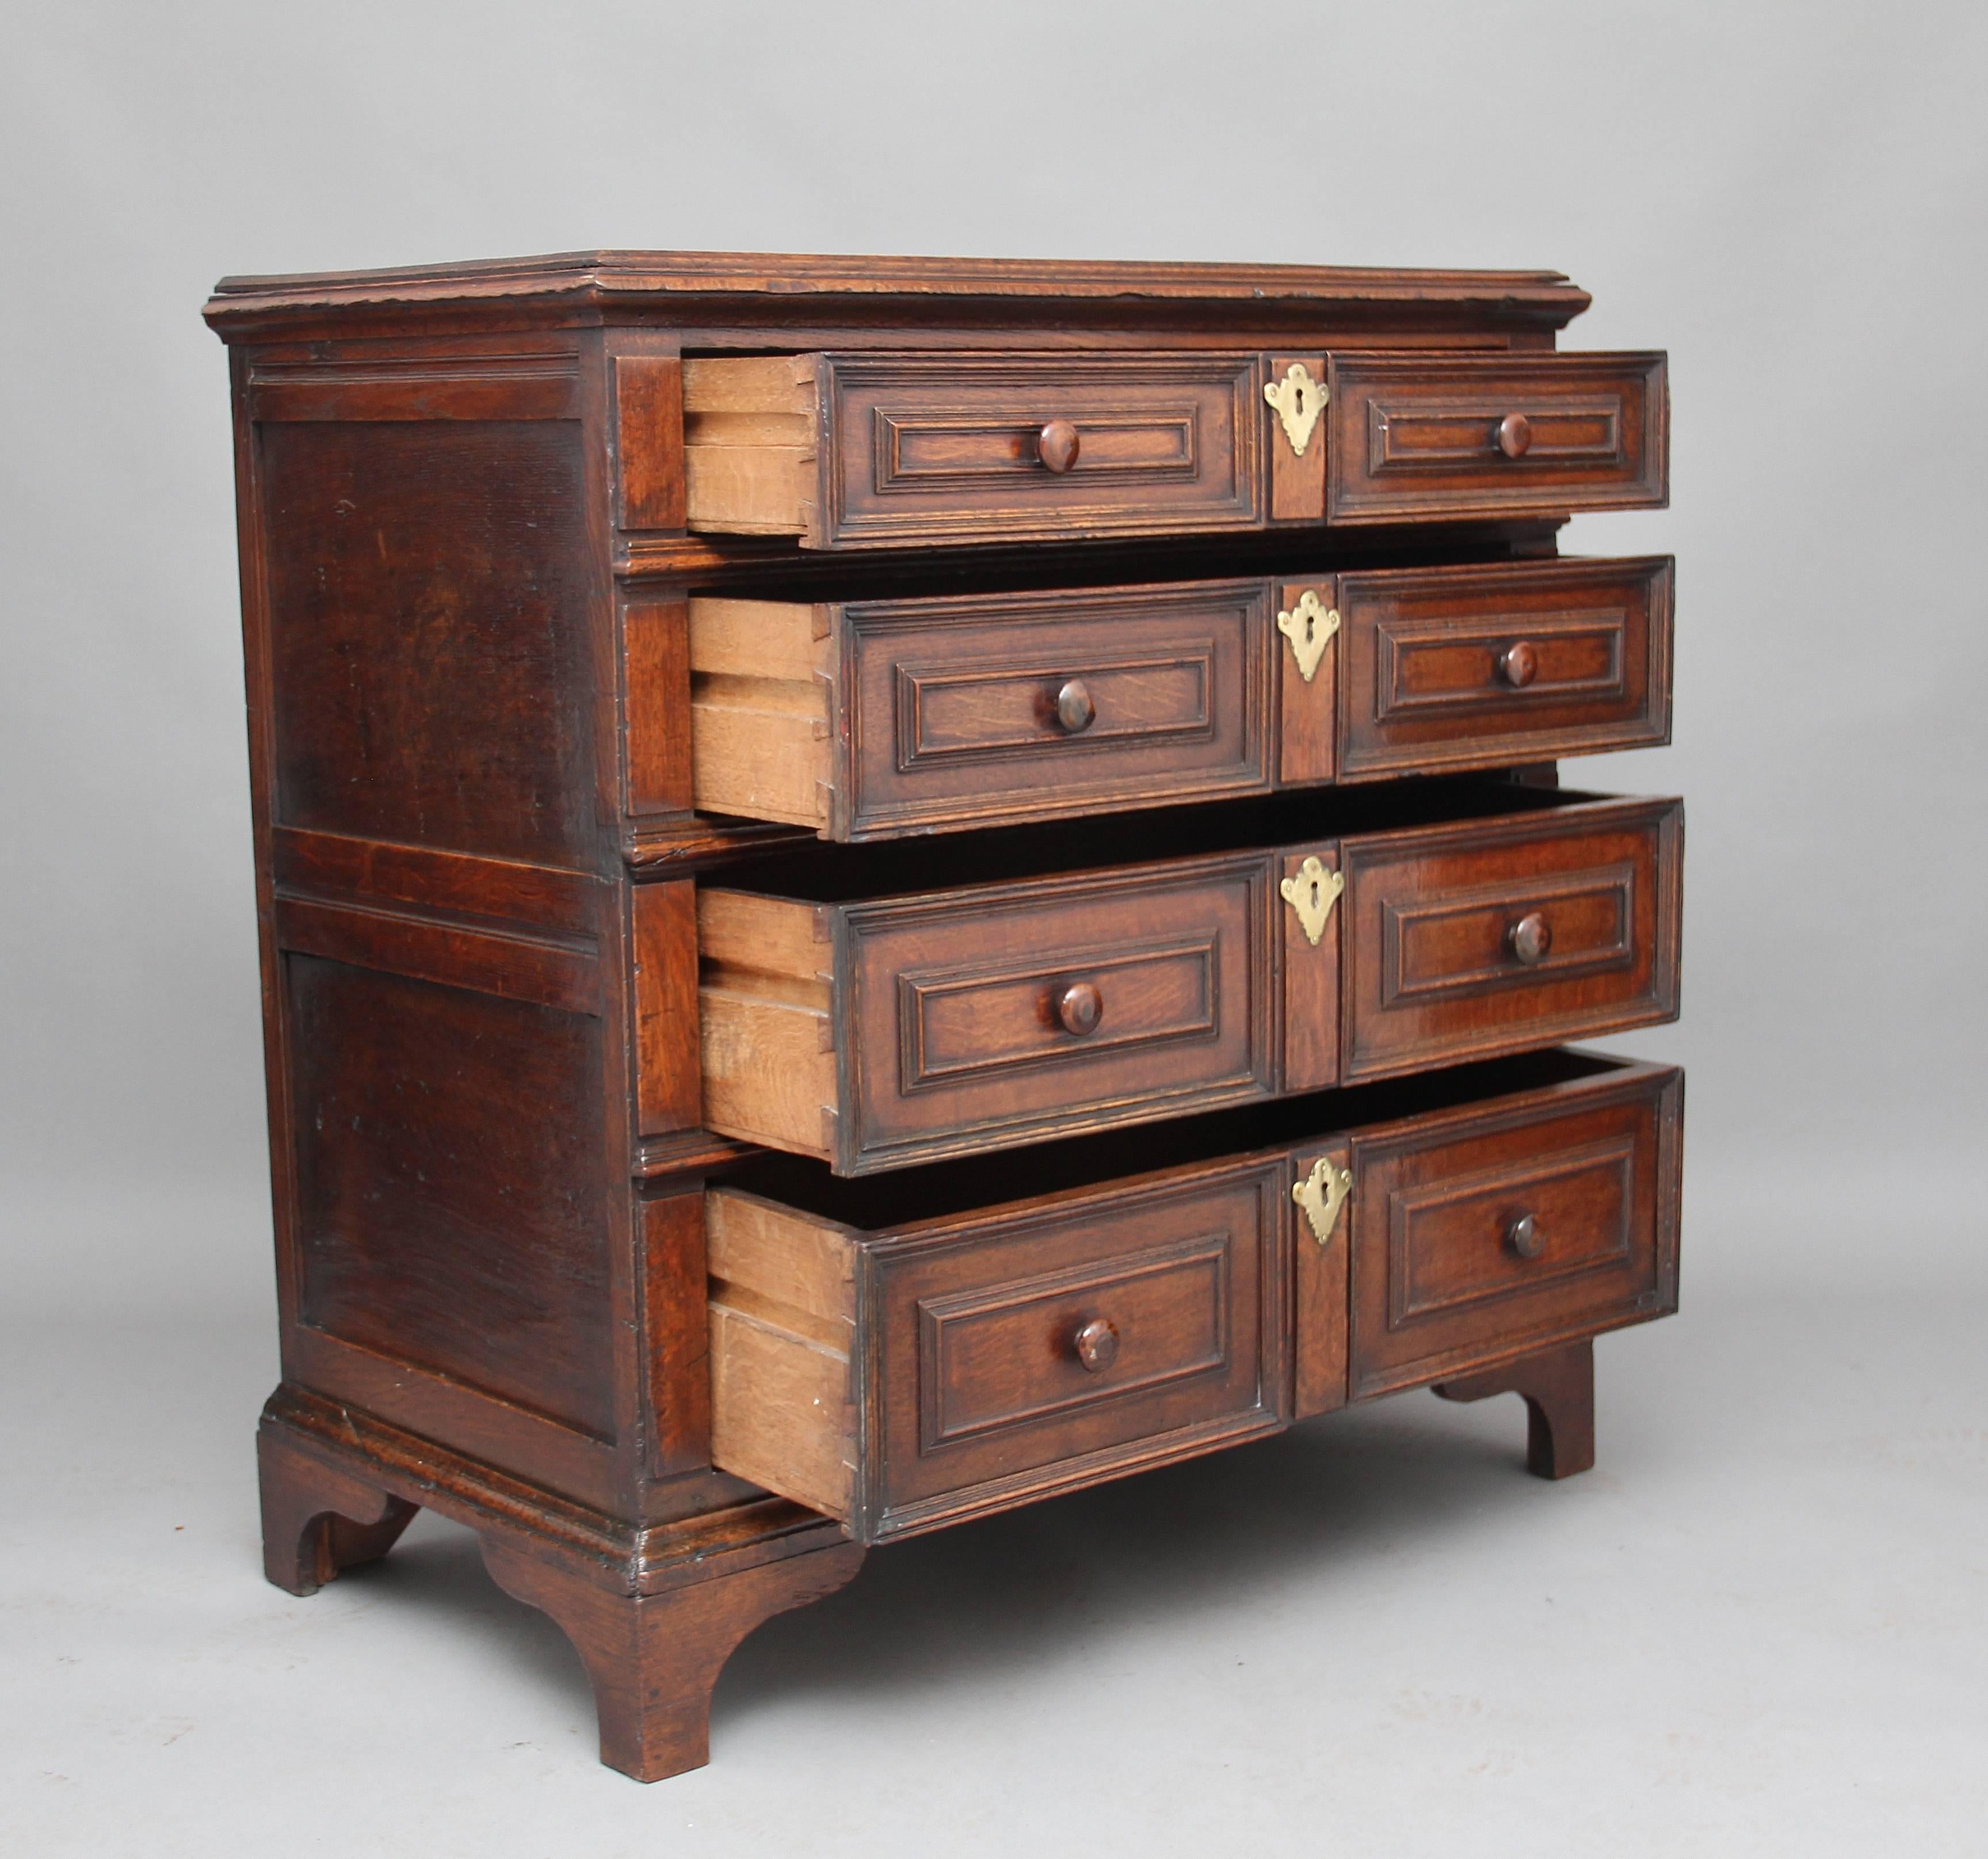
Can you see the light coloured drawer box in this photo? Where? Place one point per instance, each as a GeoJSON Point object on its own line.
{"type": "Point", "coordinates": [867, 720]}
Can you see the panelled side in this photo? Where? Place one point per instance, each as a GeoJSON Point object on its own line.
{"type": "Point", "coordinates": [428, 637]}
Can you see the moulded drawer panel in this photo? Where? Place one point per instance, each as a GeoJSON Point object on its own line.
{"type": "Point", "coordinates": [906, 1028]}
{"type": "Point", "coordinates": [1498, 1232]}
{"type": "Point", "coordinates": [910, 1372]}
{"type": "Point", "coordinates": [843, 451]}
{"type": "Point", "coordinates": [1466, 940]}
{"type": "Point", "coordinates": [971, 711]}
{"type": "Point", "coordinates": [874, 719]}
{"type": "Point", "coordinates": [1501, 665]}
{"type": "Point", "coordinates": [965, 1365]}
{"type": "Point", "coordinates": [1420, 437]}
{"type": "Point", "coordinates": [972, 1025]}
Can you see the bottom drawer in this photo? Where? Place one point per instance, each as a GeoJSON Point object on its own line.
{"type": "Point", "coordinates": [900, 1356]}
{"type": "Point", "coordinates": [902, 1381]}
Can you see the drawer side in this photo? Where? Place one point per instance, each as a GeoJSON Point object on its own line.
{"type": "Point", "coordinates": [783, 1310]}
{"type": "Point", "coordinates": [749, 444]}
{"type": "Point", "coordinates": [765, 997]}
{"type": "Point", "coordinates": [761, 714]}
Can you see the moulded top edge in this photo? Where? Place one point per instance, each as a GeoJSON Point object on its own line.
{"type": "Point", "coordinates": [602, 277]}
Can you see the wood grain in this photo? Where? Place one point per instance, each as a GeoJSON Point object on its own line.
{"type": "Point", "coordinates": [1419, 438]}
{"type": "Point", "coordinates": [1320, 1275]}
{"type": "Point", "coordinates": [668, 1092]}
{"type": "Point", "coordinates": [676, 1383]}
{"type": "Point", "coordinates": [582, 596]}
{"type": "Point", "coordinates": [656, 698]}
{"type": "Point", "coordinates": [648, 440]}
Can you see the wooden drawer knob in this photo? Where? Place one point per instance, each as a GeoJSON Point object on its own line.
{"type": "Point", "coordinates": [1057, 445]}
{"type": "Point", "coordinates": [1080, 1007]}
{"type": "Point", "coordinates": [1530, 937]}
{"type": "Point", "coordinates": [1515, 436]}
{"type": "Point", "coordinates": [1096, 1344]}
{"type": "Point", "coordinates": [1519, 664]}
{"type": "Point", "coordinates": [1524, 1238]}
{"type": "Point", "coordinates": [1074, 709]}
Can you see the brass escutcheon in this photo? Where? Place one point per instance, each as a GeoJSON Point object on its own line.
{"type": "Point", "coordinates": [1298, 401]}
{"type": "Point", "coordinates": [1322, 1194]}
{"type": "Point", "coordinates": [1312, 894]}
{"type": "Point", "coordinates": [1309, 626]}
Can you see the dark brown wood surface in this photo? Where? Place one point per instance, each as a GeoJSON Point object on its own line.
{"type": "Point", "coordinates": [1055, 519]}
{"type": "Point", "coordinates": [1558, 1385]}
{"type": "Point", "coordinates": [854, 451]}
{"type": "Point", "coordinates": [996, 1358]}
{"type": "Point", "coordinates": [702, 288]}
{"type": "Point", "coordinates": [1423, 683]}
{"type": "Point", "coordinates": [952, 1365]}
{"type": "Point", "coordinates": [871, 719]}
{"type": "Point", "coordinates": [952, 1041]}
{"type": "Point", "coordinates": [940, 1009]}
{"type": "Point", "coordinates": [653, 1612]}
{"type": "Point", "coordinates": [460, 726]}
{"type": "Point", "coordinates": [1438, 1284]}
{"type": "Point", "coordinates": [1319, 1278]}
{"type": "Point", "coordinates": [949, 707]}
{"type": "Point", "coordinates": [1436, 967]}
{"type": "Point", "coordinates": [1467, 435]}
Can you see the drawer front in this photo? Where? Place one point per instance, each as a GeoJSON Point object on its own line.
{"type": "Point", "coordinates": [1458, 437]}
{"type": "Point", "coordinates": [957, 448]}
{"type": "Point", "coordinates": [1013, 1358]}
{"type": "Point", "coordinates": [1056, 1007]}
{"type": "Point", "coordinates": [1495, 1235]}
{"type": "Point", "coordinates": [1465, 941]}
{"type": "Point", "coordinates": [1489, 667]}
{"type": "Point", "coordinates": [966, 711]}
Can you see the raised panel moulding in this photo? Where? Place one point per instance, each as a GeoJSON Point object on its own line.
{"type": "Point", "coordinates": [1601, 903]}
{"type": "Point", "coordinates": [1608, 1167]}
{"type": "Point", "coordinates": [999, 1019]}
{"type": "Point", "coordinates": [966, 1341]}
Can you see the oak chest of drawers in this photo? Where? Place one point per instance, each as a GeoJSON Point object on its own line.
{"type": "Point", "coordinates": [890, 887]}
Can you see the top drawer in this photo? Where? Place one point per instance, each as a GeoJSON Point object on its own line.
{"type": "Point", "coordinates": [1417, 437]}
{"type": "Point", "coordinates": [883, 450]}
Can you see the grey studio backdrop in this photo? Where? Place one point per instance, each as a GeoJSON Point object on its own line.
{"type": "Point", "coordinates": [1792, 199]}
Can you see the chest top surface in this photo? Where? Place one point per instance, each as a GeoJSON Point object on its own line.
{"type": "Point", "coordinates": [688, 287]}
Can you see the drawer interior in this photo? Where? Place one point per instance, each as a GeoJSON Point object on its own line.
{"type": "Point", "coordinates": [942, 1189]}
{"type": "Point", "coordinates": [818, 874]}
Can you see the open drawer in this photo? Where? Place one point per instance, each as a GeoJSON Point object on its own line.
{"type": "Point", "coordinates": [867, 720]}
{"type": "Point", "coordinates": [1006, 998]}
{"type": "Point", "coordinates": [891, 449]}
{"type": "Point", "coordinates": [900, 1355]}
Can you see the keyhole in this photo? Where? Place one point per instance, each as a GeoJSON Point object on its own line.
{"type": "Point", "coordinates": [1316, 888]}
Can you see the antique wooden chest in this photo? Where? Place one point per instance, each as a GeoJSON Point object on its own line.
{"type": "Point", "coordinates": [889, 887]}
